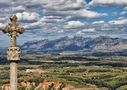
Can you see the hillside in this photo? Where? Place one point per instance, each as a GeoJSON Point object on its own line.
{"type": "Point", "coordinates": [76, 43]}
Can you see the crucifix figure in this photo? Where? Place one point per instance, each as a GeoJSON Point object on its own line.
{"type": "Point", "coordinates": [13, 52]}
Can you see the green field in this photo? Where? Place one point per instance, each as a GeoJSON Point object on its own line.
{"type": "Point", "coordinates": [103, 73]}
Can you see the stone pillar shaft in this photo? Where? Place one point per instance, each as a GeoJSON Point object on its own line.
{"type": "Point", "coordinates": [13, 76]}
{"type": "Point", "coordinates": [13, 55]}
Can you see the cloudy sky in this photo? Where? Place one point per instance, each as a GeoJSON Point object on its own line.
{"type": "Point", "coordinates": [51, 19]}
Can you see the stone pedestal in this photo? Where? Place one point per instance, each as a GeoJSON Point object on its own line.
{"type": "Point", "coordinates": [13, 55]}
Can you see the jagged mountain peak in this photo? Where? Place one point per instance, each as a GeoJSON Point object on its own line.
{"type": "Point", "coordinates": [77, 43]}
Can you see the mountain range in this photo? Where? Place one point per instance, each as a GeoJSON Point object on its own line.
{"type": "Point", "coordinates": [76, 43]}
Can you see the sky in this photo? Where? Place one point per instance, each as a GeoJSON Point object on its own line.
{"type": "Point", "coordinates": [52, 19]}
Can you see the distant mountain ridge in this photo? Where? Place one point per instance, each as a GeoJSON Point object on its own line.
{"type": "Point", "coordinates": [77, 43]}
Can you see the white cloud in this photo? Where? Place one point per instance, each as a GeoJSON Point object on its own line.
{"type": "Point", "coordinates": [52, 19]}
{"type": "Point", "coordinates": [108, 2]}
{"type": "Point", "coordinates": [105, 27]}
{"type": "Point", "coordinates": [90, 14]}
{"type": "Point", "coordinates": [2, 26]}
{"type": "Point", "coordinates": [118, 22]}
{"type": "Point", "coordinates": [73, 14]}
{"type": "Point", "coordinates": [29, 16]}
{"type": "Point", "coordinates": [89, 30]}
{"type": "Point", "coordinates": [124, 12]}
{"type": "Point", "coordinates": [121, 17]}
{"type": "Point", "coordinates": [18, 8]}
{"type": "Point", "coordinates": [98, 22]}
{"type": "Point", "coordinates": [74, 24]}
{"type": "Point", "coordinates": [33, 25]}
{"type": "Point", "coordinates": [64, 4]}
{"type": "Point", "coordinates": [125, 8]}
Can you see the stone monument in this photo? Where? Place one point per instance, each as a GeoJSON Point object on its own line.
{"type": "Point", "coordinates": [13, 52]}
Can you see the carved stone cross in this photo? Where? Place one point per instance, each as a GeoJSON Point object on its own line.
{"type": "Point", "coordinates": [13, 29]}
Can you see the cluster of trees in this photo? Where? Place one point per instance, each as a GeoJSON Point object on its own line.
{"type": "Point", "coordinates": [108, 81]}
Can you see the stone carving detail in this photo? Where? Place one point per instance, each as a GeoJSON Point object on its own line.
{"type": "Point", "coordinates": [13, 30]}
{"type": "Point", "coordinates": [13, 53]}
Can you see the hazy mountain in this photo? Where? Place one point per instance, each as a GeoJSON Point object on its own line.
{"type": "Point", "coordinates": [76, 43]}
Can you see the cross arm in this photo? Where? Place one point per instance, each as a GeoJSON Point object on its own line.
{"type": "Point", "coordinates": [20, 29]}
{"type": "Point", "coordinates": [6, 29]}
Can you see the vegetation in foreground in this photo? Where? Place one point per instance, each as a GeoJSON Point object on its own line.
{"type": "Point", "coordinates": [102, 73]}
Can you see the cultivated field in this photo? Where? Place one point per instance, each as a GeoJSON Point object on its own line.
{"type": "Point", "coordinates": [75, 72]}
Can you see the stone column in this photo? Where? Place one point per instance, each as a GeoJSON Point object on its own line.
{"type": "Point", "coordinates": [13, 55]}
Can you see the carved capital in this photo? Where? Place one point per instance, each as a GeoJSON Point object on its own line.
{"type": "Point", "coordinates": [13, 53]}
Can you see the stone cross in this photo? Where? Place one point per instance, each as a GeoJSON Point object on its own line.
{"type": "Point", "coordinates": [13, 52]}
{"type": "Point", "coordinates": [13, 29]}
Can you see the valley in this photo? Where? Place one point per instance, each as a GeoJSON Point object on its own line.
{"type": "Point", "coordinates": [76, 71]}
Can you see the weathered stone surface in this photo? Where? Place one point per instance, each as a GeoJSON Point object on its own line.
{"type": "Point", "coordinates": [13, 54]}
{"type": "Point", "coordinates": [13, 30]}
